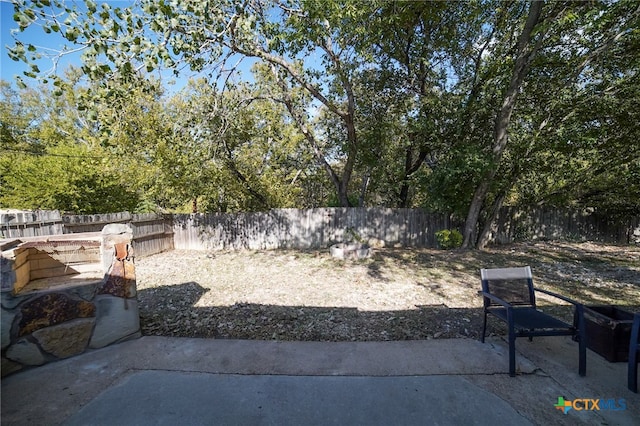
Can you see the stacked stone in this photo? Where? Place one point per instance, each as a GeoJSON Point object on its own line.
{"type": "Point", "coordinates": [117, 315]}
{"type": "Point", "coordinates": [57, 323]}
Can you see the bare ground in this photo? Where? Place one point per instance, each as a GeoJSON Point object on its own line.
{"type": "Point", "coordinates": [397, 294]}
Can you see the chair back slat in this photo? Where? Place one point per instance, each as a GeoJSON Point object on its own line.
{"type": "Point", "coordinates": [513, 285]}
{"type": "Point", "coordinates": [506, 273]}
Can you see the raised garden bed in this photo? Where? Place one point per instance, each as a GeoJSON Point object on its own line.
{"type": "Point", "coordinates": [608, 331]}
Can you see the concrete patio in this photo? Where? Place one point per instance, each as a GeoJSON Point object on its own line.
{"type": "Point", "coordinates": [159, 380]}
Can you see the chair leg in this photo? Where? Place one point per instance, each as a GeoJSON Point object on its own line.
{"type": "Point", "coordinates": [512, 351]}
{"type": "Point", "coordinates": [484, 327]}
{"type": "Point", "coordinates": [633, 372]}
{"type": "Point", "coordinates": [632, 379]}
{"type": "Point", "coordinates": [582, 340]}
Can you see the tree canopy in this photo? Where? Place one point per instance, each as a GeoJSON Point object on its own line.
{"type": "Point", "coordinates": [460, 107]}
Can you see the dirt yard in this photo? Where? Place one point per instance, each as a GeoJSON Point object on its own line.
{"type": "Point", "coordinates": [397, 294]}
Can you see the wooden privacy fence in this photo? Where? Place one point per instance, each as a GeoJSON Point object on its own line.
{"type": "Point", "coordinates": [18, 223]}
{"type": "Point", "coordinates": [316, 228]}
{"type": "Point", "coordinates": [514, 224]}
{"type": "Point", "coordinates": [305, 229]}
{"type": "Point", "coordinates": [321, 227]}
{"type": "Point", "coordinates": [152, 233]}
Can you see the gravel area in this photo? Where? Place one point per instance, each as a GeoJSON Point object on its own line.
{"type": "Point", "coordinates": [396, 294]}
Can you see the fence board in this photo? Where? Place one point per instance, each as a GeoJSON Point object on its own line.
{"type": "Point", "coordinates": [21, 223]}
{"type": "Point", "coordinates": [515, 224]}
{"type": "Point", "coordinates": [306, 229]}
{"type": "Point", "coordinates": [315, 228]}
{"type": "Point", "coordinates": [93, 223]}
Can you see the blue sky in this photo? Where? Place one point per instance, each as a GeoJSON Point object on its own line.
{"type": "Point", "coordinates": [8, 67]}
{"type": "Point", "coordinates": [34, 35]}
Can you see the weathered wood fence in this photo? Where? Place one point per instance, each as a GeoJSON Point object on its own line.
{"type": "Point", "coordinates": [152, 233]}
{"type": "Point", "coordinates": [316, 228]}
{"type": "Point", "coordinates": [515, 224]}
{"type": "Point", "coordinates": [17, 223]}
{"type": "Point", "coordinates": [309, 228]}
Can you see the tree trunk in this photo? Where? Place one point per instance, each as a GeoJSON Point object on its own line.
{"type": "Point", "coordinates": [471, 223]}
{"type": "Point", "coordinates": [352, 141]}
{"type": "Point", "coordinates": [309, 135]}
{"type": "Point", "coordinates": [525, 53]}
{"type": "Point", "coordinates": [363, 189]}
{"type": "Point", "coordinates": [410, 167]}
{"type": "Point", "coordinates": [489, 225]}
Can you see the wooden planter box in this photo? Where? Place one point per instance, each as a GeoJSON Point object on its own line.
{"type": "Point", "coordinates": [608, 331]}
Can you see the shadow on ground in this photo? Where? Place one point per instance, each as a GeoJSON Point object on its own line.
{"type": "Point", "coordinates": [174, 311]}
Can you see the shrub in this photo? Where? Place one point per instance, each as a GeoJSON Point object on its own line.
{"type": "Point", "coordinates": [449, 239]}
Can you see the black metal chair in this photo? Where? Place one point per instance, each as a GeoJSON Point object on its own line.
{"type": "Point", "coordinates": [634, 350]}
{"type": "Point", "coordinates": [510, 296]}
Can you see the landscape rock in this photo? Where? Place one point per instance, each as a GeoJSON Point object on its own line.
{"type": "Point", "coordinates": [5, 326]}
{"type": "Point", "coordinates": [51, 309]}
{"type": "Point", "coordinates": [9, 367]}
{"type": "Point", "coordinates": [116, 319]}
{"type": "Point", "coordinates": [120, 280]}
{"type": "Point", "coordinates": [26, 353]}
{"type": "Point", "coordinates": [66, 339]}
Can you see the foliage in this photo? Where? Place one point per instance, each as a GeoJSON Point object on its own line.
{"type": "Point", "coordinates": [63, 178]}
{"type": "Point", "coordinates": [449, 239]}
{"type": "Point", "coordinates": [454, 106]}
{"type": "Point", "coordinates": [44, 167]}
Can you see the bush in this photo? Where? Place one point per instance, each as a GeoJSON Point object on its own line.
{"type": "Point", "coordinates": [448, 239]}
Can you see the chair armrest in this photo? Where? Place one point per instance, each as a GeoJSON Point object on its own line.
{"type": "Point", "coordinates": [578, 314]}
{"type": "Point", "coordinates": [556, 295]}
{"type": "Point", "coordinates": [495, 299]}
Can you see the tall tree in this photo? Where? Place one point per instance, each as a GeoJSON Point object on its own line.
{"type": "Point", "coordinates": [285, 34]}
{"type": "Point", "coordinates": [231, 150]}
{"type": "Point", "coordinates": [415, 46]}
{"type": "Point", "coordinates": [562, 124]}
{"type": "Point", "coordinates": [529, 42]}
{"type": "Point", "coordinates": [454, 105]}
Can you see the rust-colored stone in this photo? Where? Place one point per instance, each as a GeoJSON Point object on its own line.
{"type": "Point", "coordinates": [122, 251]}
{"type": "Point", "coordinates": [51, 309]}
{"type": "Point", "coordinates": [120, 280]}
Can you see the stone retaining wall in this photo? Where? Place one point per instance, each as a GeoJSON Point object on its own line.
{"type": "Point", "coordinates": [66, 315]}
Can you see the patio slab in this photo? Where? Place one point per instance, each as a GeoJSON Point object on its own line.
{"type": "Point", "coordinates": [160, 380]}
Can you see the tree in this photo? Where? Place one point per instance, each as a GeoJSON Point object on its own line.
{"type": "Point", "coordinates": [560, 139]}
{"type": "Point", "coordinates": [415, 46]}
{"type": "Point", "coordinates": [45, 162]}
{"type": "Point", "coordinates": [229, 157]}
{"type": "Point", "coordinates": [457, 106]}
{"type": "Point", "coordinates": [528, 44]}
{"type": "Point", "coordinates": [120, 41]}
